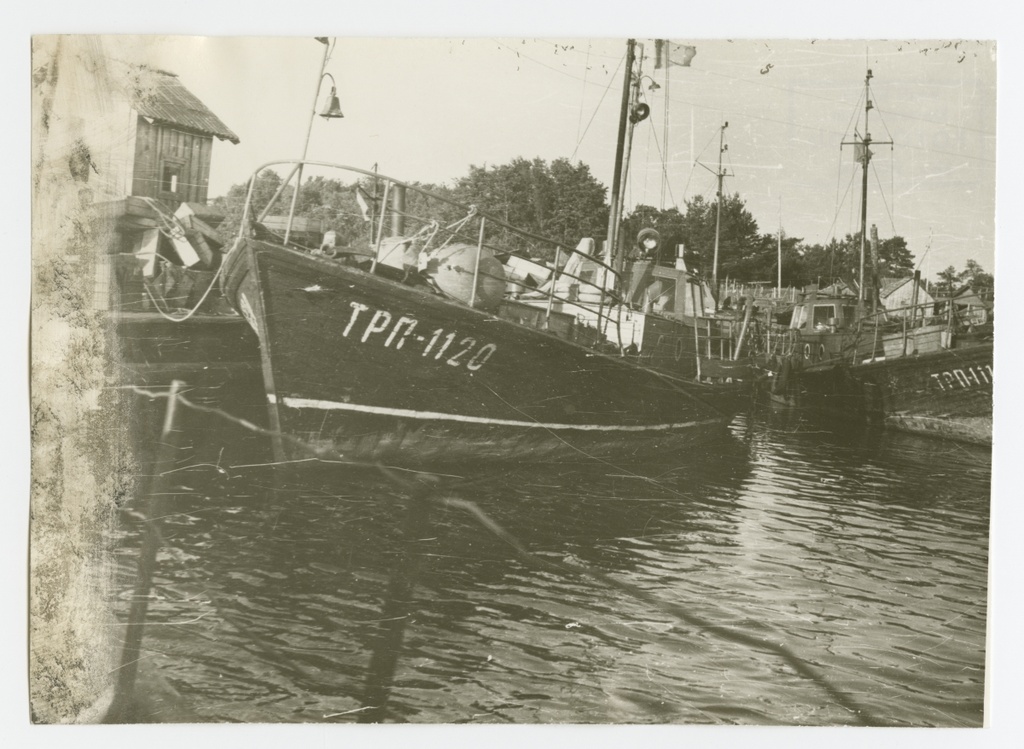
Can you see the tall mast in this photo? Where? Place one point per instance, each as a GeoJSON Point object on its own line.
{"type": "Point", "coordinates": [613, 217]}
{"type": "Point", "coordinates": [779, 283]}
{"type": "Point", "coordinates": [722, 148]}
{"type": "Point", "coordinates": [862, 153]}
{"type": "Point", "coordinates": [664, 136]}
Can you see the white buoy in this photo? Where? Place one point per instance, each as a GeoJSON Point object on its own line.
{"type": "Point", "coordinates": [453, 268]}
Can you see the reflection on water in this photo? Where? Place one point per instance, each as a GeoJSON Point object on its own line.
{"type": "Point", "coordinates": [862, 552]}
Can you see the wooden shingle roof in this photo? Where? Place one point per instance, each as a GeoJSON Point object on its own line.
{"type": "Point", "coordinates": [161, 96]}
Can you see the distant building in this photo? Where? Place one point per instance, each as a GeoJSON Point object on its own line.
{"type": "Point", "coordinates": [972, 305]}
{"type": "Point", "coordinates": [897, 294]}
{"type": "Point", "coordinates": [839, 288]}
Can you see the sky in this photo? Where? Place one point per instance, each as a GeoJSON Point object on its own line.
{"type": "Point", "coordinates": [425, 109]}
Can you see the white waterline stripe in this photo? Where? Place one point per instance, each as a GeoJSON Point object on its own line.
{"type": "Point", "coordinates": [335, 406]}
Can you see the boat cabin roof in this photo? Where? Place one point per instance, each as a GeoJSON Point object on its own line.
{"type": "Point", "coordinates": [824, 313]}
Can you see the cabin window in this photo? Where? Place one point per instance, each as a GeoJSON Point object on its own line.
{"type": "Point", "coordinates": [799, 317]}
{"type": "Point", "coordinates": [663, 295]}
{"type": "Point", "coordinates": [822, 314]}
{"type": "Point", "coordinates": [169, 178]}
{"type": "Point", "coordinates": [849, 314]}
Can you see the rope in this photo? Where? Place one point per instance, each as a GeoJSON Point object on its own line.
{"type": "Point", "coordinates": [579, 140]}
{"type": "Point", "coordinates": [172, 229]}
{"type": "Point", "coordinates": [455, 226]}
{"type": "Point", "coordinates": [191, 312]}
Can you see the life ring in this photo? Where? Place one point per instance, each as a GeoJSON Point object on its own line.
{"type": "Point", "coordinates": [821, 352]}
{"type": "Point", "coordinates": [807, 351]}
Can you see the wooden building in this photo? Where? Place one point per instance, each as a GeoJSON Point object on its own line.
{"type": "Point", "coordinates": [122, 129]}
{"type": "Point", "coordinates": [896, 294]}
{"type": "Point", "coordinates": [137, 146]}
{"type": "Point", "coordinates": [173, 139]}
{"type": "Point", "coordinates": [973, 305]}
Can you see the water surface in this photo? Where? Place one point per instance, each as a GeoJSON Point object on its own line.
{"type": "Point", "coordinates": [863, 553]}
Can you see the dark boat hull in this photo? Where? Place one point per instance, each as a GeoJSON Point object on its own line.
{"type": "Point", "coordinates": [369, 368]}
{"type": "Point", "coordinates": [944, 393]}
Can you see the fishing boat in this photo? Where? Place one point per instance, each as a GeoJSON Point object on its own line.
{"type": "Point", "coordinates": [922, 368]}
{"type": "Point", "coordinates": [670, 317]}
{"type": "Point", "coordinates": [410, 344]}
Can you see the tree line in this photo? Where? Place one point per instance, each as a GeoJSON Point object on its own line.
{"type": "Point", "coordinates": [565, 202]}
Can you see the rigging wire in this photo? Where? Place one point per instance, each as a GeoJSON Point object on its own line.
{"type": "Point", "coordinates": [696, 160]}
{"type": "Point", "coordinates": [761, 118]}
{"type": "Point", "coordinates": [583, 93]}
{"type": "Point", "coordinates": [664, 167]}
{"type": "Point", "coordinates": [650, 134]}
{"type": "Point", "coordinates": [839, 181]}
{"type": "Point", "coordinates": [881, 191]}
{"type": "Point", "coordinates": [853, 176]}
{"type": "Point", "coordinates": [759, 82]}
{"type": "Point", "coordinates": [604, 93]}
{"type": "Point", "coordinates": [880, 117]}
{"type": "Point", "coordinates": [854, 118]}
{"type": "Point", "coordinates": [522, 56]}
{"type": "Point", "coordinates": [735, 114]}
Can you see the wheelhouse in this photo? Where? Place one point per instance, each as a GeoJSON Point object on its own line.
{"type": "Point", "coordinates": [824, 315]}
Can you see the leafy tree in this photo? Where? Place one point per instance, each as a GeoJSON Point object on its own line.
{"type": "Point", "coordinates": [738, 239]}
{"type": "Point", "coordinates": [668, 223]}
{"type": "Point", "coordinates": [267, 183]}
{"type": "Point", "coordinates": [561, 200]}
{"type": "Point", "coordinates": [823, 264]}
{"type": "Point", "coordinates": [982, 282]}
{"type": "Point", "coordinates": [894, 259]}
{"type": "Point", "coordinates": [840, 260]}
{"type": "Point", "coordinates": [947, 281]}
{"type": "Point", "coordinates": [762, 265]}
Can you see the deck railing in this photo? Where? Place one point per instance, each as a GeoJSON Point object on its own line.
{"type": "Point", "coordinates": [431, 221]}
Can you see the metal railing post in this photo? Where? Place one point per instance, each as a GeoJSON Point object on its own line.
{"type": "Point", "coordinates": [551, 291]}
{"type": "Point", "coordinates": [476, 265]}
{"type": "Point", "coordinates": [380, 226]}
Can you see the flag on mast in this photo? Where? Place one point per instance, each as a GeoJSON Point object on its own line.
{"type": "Point", "coordinates": [668, 53]}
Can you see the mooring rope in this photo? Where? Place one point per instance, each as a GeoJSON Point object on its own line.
{"type": "Point", "coordinates": [172, 228]}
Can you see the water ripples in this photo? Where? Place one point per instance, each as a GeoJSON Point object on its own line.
{"type": "Point", "coordinates": [863, 553]}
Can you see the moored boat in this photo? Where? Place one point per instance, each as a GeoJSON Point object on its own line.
{"type": "Point", "coordinates": [910, 368]}
{"type": "Point", "coordinates": [917, 368]}
{"type": "Point", "coordinates": [409, 347]}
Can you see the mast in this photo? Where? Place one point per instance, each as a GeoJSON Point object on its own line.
{"type": "Point", "coordinates": [722, 148]}
{"type": "Point", "coordinates": [779, 283]}
{"type": "Point", "coordinates": [613, 216]}
{"type": "Point", "coordinates": [305, 147]}
{"type": "Point", "coordinates": [862, 153]}
{"type": "Point", "coordinates": [664, 136]}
